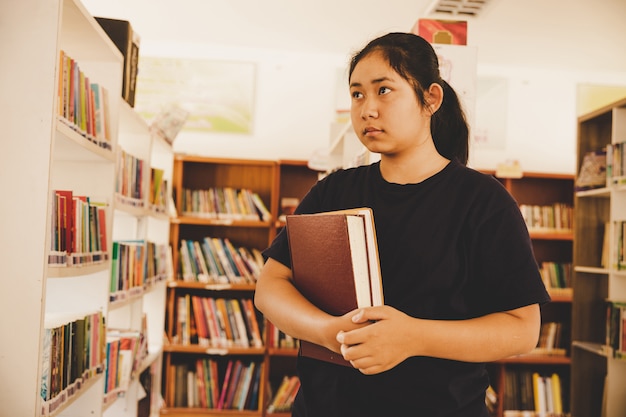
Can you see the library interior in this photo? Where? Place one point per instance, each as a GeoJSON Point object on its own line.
{"type": "Point", "coordinates": [158, 148]}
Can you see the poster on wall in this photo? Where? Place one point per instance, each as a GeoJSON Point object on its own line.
{"type": "Point", "coordinates": [457, 66]}
{"type": "Point", "coordinates": [218, 95]}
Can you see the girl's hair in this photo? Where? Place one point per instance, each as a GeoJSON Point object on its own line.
{"type": "Point", "coordinates": [415, 60]}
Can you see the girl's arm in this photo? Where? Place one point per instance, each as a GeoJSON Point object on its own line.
{"type": "Point", "coordinates": [282, 304]}
{"type": "Point", "coordinates": [396, 336]}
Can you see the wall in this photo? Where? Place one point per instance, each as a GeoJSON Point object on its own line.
{"type": "Point", "coordinates": [296, 97]}
{"type": "Point", "coordinates": [295, 102]}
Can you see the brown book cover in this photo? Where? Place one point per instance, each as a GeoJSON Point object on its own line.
{"type": "Point", "coordinates": [334, 261]}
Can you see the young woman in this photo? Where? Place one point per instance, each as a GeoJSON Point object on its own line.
{"type": "Point", "coordinates": [460, 280]}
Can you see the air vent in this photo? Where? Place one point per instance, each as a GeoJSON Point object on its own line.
{"type": "Point", "coordinates": [458, 8]}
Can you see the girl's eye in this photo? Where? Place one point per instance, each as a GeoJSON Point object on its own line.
{"type": "Point", "coordinates": [384, 90]}
{"type": "Point", "coordinates": [356, 94]}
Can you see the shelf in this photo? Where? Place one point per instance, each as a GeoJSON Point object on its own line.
{"type": "Point", "coordinates": [210, 287]}
{"type": "Point", "coordinates": [282, 352]}
{"type": "Point", "coordinates": [551, 235]}
{"type": "Point", "coordinates": [77, 270]}
{"type": "Point", "coordinates": [594, 193]}
{"type": "Point", "coordinates": [561, 295]}
{"type": "Point", "coordinates": [537, 359]}
{"type": "Point", "coordinates": [207, 350]}
{"type": "Point", "coordinates": [205, 412]}
{"type": "Point", "coordinates": [71, 145]}
{"type": "Point", "coordinates": [200, 221]}
{"type": "Point", "coordinates": [596, 348]}
{"type": "Point", "coordinates": [591, 270]}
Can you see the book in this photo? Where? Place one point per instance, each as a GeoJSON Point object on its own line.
{"type": "Point", "coordinates": [127, 41]}
{"type": "Point", "coordinates": [335, 265]}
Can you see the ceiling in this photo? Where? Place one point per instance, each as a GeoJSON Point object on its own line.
{"type": "Point", "coordinates": [568, 34]}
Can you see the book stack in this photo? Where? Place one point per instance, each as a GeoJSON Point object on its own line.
{"type": "Point", "coordinates": [282, 402]}
{"type": "Point", "coordinates": [207, 384]}
{"type": "Point", "coordinates": [72, 352]}
{"type": "Point", "coordinates": [530, 394]}
{"type": "Point", "coordinates": [217, 322]}
{"type": "Point", "coordinates": [83, 104]}
{"type": "Point", "coordinates": [78, 235]}
{"type": "Point", "coordinates": [335, 265]}
{"type": "Point", "coordinates": [218, 261]}
{"type": "Point", "coordinates": [224, 203]}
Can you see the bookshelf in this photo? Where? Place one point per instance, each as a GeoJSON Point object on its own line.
{"type": "Point", "coordinates": [144, 167]}
{"type": "Point", "coordinates": [189, 294]}
{"type": "Point", "coordinates": [41, 153]}
{"type": "Point", "coordinates": [598, 369]}
{"type": "Point", "coordinates": [57, 280]}
{"type": "Point", "coordinates": [552, 244]}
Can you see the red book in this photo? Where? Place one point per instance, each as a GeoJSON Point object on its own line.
{"type": "Point", "coordinates": [334, 261]}
{"type": "Point", "coordinates": [66, 220]}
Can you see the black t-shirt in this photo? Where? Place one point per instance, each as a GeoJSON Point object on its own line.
{"type": "Point", "coordinates": [454, 246]}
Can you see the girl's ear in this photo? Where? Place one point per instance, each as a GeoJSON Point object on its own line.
{"type": "Point", "coordinates": [434, 97]}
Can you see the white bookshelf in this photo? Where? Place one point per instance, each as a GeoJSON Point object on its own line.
{"type": "Point", "coordinates": [42, 153]}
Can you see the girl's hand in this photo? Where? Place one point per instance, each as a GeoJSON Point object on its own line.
{"type": "Point", "coordinates": [382, 344]}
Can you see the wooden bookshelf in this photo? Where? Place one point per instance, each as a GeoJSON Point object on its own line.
{"type": "Point", "coordinates": [550, 245]}
{"type": "Point", "coordinates": [598, 376]}
{"type": "Point", "coordinates": [271, 180]}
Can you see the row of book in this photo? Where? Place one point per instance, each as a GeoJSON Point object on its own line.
{"type": "Point", "coordinates": [218, 261]}
{"type": "Point", "coordinates": [620, 247]}
{"type": "Point", "coordinates": [530, 391]}
{"type": "Point", "coordinates": [616, 163]}
{"type": "Point", "coordinates": [217, 322]}
{"type": "Point", "coordinates": [82, 104]}
{"type": "Point", "coordinates": [282, 401]}
{"type": "Point", "coordinates": [159, 190]}
{"type": "Point", "coordinates": [208, 384]}
{"type": "Point", "coordinates": [129, 181]}
{"type": "Point", "coordinates": [616, 328]}
{"type": "Point", "coordinates": [557, 275]}
{"type": "Point", "coordinates": [275, 338]}
{"type": "Point", "coordinates": [225, 203]}
{"type": "Point", "coordinates": [78, 230]}
{"type": "Point", "coordinates": [130, 187]}
{"type": "Point", "coordinates": [135, 265]}
{"type": "Point", "coordinates": [73, 352]}
{"type": "Point", "coordinates": [557, 217]}
{"type": "Point", "coordinates": [126, 349]}
{"type": "Point", "coordinates": [553, 339]}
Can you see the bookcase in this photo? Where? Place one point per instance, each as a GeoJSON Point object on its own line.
{"type": "Point", "coordinates": [197, 299]}
{"type": "Point", "coordinates": [56, 279]}
{"type": "Point", "coordinates": [548, 196]}
{"type": "Point", "coordinates": [141, 217]}
{"type": "Point", "coordinates": [598, 365]}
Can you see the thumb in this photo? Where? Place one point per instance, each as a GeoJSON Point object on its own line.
{"type": "Point", "coordinates": [368, 314]}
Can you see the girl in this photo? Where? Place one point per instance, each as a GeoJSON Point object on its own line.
{"type": "Point", "coordinates": [460, 280]}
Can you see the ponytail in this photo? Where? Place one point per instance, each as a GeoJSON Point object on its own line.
{"type": "Point", "coordinates": [448, 127]}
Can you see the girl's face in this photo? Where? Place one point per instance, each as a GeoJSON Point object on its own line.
{"type": "Point", "coordinates": [385, 112]}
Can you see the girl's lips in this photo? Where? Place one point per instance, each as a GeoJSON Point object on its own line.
{"type": "Point", "coordinates": [370, 130]}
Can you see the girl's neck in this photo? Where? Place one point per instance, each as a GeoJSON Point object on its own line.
{"type": "Point", "coordinates": [411, 170]}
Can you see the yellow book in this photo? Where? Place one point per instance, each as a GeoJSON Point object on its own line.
{"type": "Point", "coordinates": [539, 393]}
{"type": "Point", "coordinates": [556, 393]}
